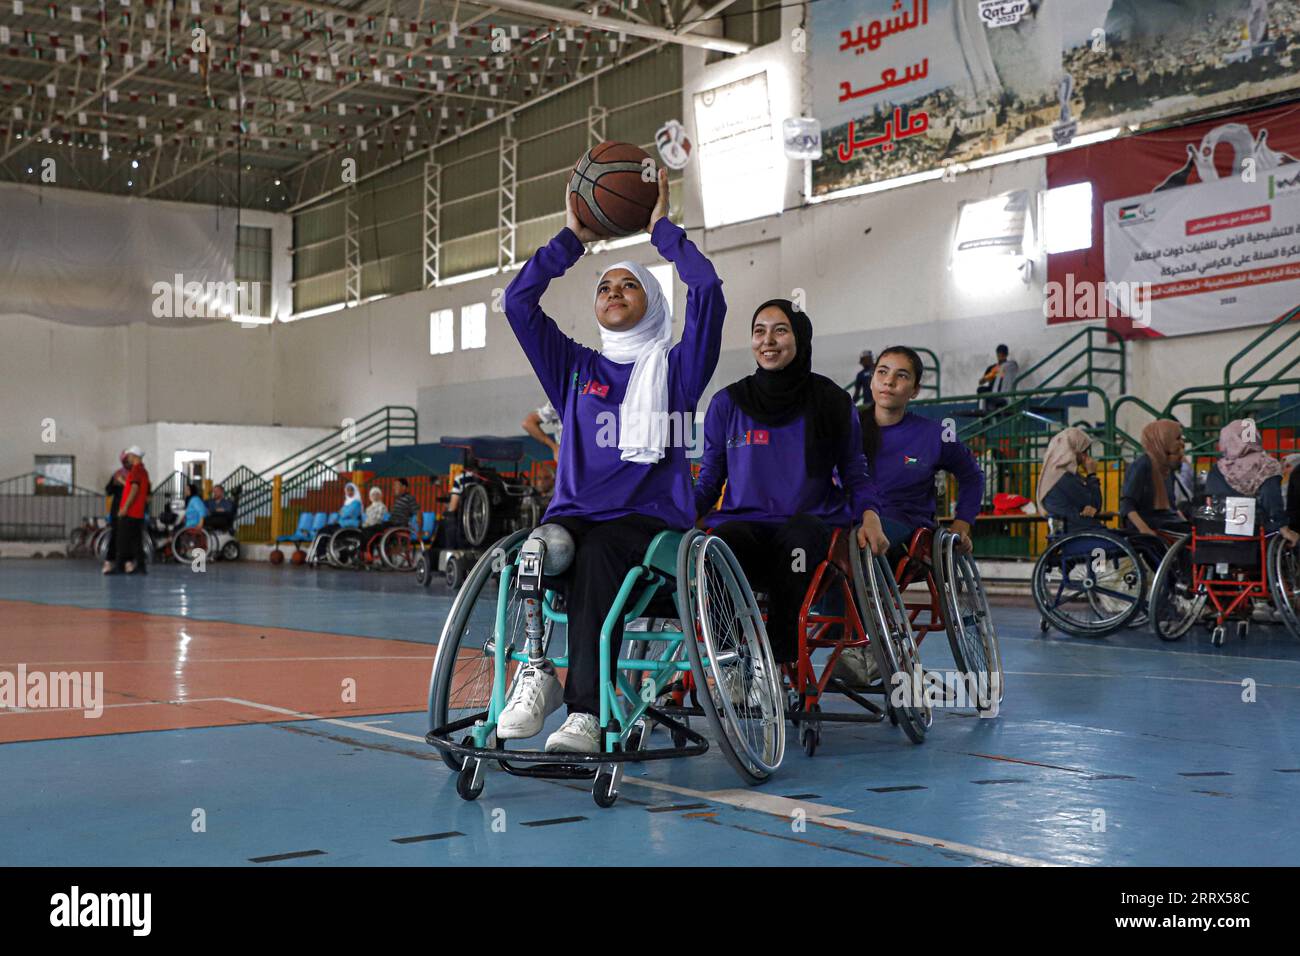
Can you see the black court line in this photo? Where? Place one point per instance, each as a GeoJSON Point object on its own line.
{"type": "Point", "coordinates": [896, 789]}
{"type": "Point", "coordinates": [549, 823]}
{"type": "Point", "coordinates": [1111, 776]}
{"type": "Point", "coordinates": [1007, 780]}
{"type": "Point", "coordinates": [1287, 770]}
{"type": "Point", "coordinates": [285, 856]}
{"type": "Point", "coordinates": [802, 796]}
{"type": "Point", "coordinates": [428, 836]}
{"type": "Point", "coordinates": [677, 806]}
{"type": "Point", "coordinates": [1213, 793]}
{"type": "Point", "coordinates": [1206, 773]}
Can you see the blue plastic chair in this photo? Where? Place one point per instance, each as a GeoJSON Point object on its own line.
{"type": "Point", "coordinates": [302, 532]}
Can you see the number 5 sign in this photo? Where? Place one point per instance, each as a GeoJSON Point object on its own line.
{"type": "Point", "coordinates": [1239, 517]}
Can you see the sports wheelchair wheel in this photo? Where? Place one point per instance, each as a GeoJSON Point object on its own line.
{"type": "Point", "coordinates": [1175, 606]}
{"type": "Point", "coordinates": [99, 543]}
{"type": "Point", "coordinates": [464, 670]}
{"type": "Point", "coordinates": [739, 688]}
{"type": "Point", "coordinates": [892, 641]}
{"type": "Point", "coordinates": [475, 514]}
{"type": "Point", "coordinates": [187, 541]}
{"type": "Point", "coordinates": [1089, 583]}
{"type": "Point", "coordinates": [971, 634]}
{"type": "Point", "coordinates": [396, 550]}
{"type": "Point", "coordinates": [424, 568]}
{"type": "Point", "coordinates": [345, 548]}
{"type": "Point", "coordinates": [1284, 582]}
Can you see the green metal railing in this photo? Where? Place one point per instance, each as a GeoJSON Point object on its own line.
{"type": "Point", "coordinates": [1083, 362]}
{"type": "Point", "coordinates": [254, 496]}
{"type": "Point", "coordinates": [172, 486]}
{"type": "Point", "coordinates": [47, 514]}
{"type": "Point", "coordinates": [382, 428]}
{"type": "Point", "coordinates": [310, 477]}
{"type": "Point", "coordinates": [1201, 439]}
{"type": "Point", "coordinates": [340, 450]}
{"type": "Point", "coordinates": [1289, 323]}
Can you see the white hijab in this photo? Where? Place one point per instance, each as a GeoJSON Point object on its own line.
{"type": "Point", "coordinates": [643, 416]}
{"type": "Point", "coordinates": [350, 492]}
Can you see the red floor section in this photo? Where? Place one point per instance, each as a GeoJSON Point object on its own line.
{"type": "Point", "coordinates": [167, 673]}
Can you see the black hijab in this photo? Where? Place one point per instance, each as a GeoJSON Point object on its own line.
{"type": "Point", "coordinates": [778, 398]}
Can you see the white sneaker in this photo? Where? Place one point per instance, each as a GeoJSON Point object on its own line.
{"type": "Point", "coordinates": [580, 734]}
{"type": "Point", "coordinates": [537, 694]}
{"type": "Point", "coordinates": [857, 668]}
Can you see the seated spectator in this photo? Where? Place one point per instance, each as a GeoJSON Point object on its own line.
{"type": "Point", "coordinates": [405, 505]}
{"type": "Point", "coordinates": [1291, 530]}
{"type": "Point", "coordinates": [1146, 502]}
{"type": "Point", "coordinates": [862, 383]}
{"type": "Point", "coordinates": [542, 424]}
{"type": "Point", "coordinates": [196, 510]}
{"type": "Point", "coordinates": [376, 510]}
{"type": "Point", "coordinates": [221, 510]}
{"type": "Point", "coordinates": [1063, 493]}
{"type": "Point", "coordinates": [1245, 470]}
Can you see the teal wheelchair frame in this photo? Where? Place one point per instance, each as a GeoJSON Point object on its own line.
{"type": "Point", "coordinates": [737, 686]}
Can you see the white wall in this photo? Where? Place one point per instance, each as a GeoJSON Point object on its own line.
{"type": "Point", "coordinates": [254, 446]}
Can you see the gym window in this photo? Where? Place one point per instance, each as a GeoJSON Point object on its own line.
{"type": "Point", "coordinates": [473, 325]}
{"type": "Point", "coordinates": [1067, 218]}
{"type": "Point", "coordinates": [441, 332]}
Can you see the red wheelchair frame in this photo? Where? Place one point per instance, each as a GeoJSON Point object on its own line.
{"type": "Point", "coordinates": [1229, 595]}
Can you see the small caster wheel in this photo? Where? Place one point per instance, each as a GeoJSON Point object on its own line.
{"type": "Point", "coordinates": [1243, 630]}
{"type": "Point", "coordinates": [453, 574]}
{"type": "Point", "coordinates": [636, 737]}
{"type": "Point", "coordinates": [1216, 636]}
{"type": "Point", "coordinates": [1043, 626]}
{"type": "Point", "coordinates": [811, 738]}
{"type": "Point", "coordinates": [230, 551]}
{"type": "Point", "coordinates": [603, 791]}
{"type": "Point", "coordinates": [679, 738]}
{"type": "Point", "coordinates": [465, 785]}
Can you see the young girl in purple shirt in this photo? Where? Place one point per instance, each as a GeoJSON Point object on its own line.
{"type": "Point", "coordinates": [623, 475]}
{"type": "Point", "coordinates": [785, 442]}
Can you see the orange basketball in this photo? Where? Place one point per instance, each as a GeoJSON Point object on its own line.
{"type": "Point", "coordinates": [277, 556]}
{"type": "Point", "coordinates": [614, 198]}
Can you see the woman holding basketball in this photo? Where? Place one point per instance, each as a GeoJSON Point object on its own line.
{"type": "Point", "coordinates": [904, 451]}
{"type": "Point", "coordinates": [778, 439]}
{"type": "Point", "coordinates": [620, 480]}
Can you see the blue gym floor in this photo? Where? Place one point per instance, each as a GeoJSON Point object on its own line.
{"type": "Point", "coordinates": [1121, 751]}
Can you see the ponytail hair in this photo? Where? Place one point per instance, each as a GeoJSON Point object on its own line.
{"type": "Point", "coordinates": [867, 417]}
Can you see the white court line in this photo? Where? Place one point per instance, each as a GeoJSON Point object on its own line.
{"type": "Point", "coordinates": [741, 799]}
{"type": "Point", "coordinates": [140, 703]}
{"type": "Point", "coordinates": [1190, 680]}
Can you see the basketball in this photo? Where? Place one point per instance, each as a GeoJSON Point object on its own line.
{"type": "Point", "coordinates": [277, 556]}
{"type": "Point", "coordinates": [614, 198]}
{"type": "Point", "coordinates": [298, 557]}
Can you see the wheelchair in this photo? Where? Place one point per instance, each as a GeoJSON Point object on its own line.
{"type": "Point", "coordinates": [690, 578]}
{"type": "Point", "coordinates": [852, 601]}
{"type": "Point", "coordinates": [957, 605]}
{"type": "Point", "coordinates": [1214, 574]}
{"type": "Point", "coordinates": [1091, 582]}
{"type": "Point", "coordinates": [488, 509]}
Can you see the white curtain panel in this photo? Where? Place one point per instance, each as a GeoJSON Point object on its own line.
{"type": "Point", "coordinates": [88, 259]}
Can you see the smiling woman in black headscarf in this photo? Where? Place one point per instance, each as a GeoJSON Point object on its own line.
{"type": "Point", "coordinates": [786, 443]}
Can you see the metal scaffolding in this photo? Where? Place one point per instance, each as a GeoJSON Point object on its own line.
{"type": "Point", "coordinates": [432, 213]}
{"type": "Point", "coordinates": [352, 250]}
{"type": "Point", "coordinates": [506, 218]}
{"type": "Point", "coordinates": [596, 116]}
